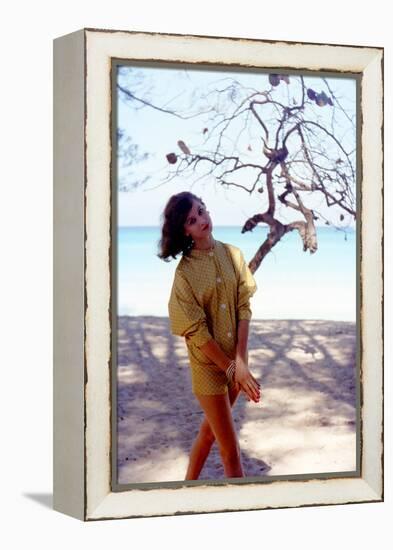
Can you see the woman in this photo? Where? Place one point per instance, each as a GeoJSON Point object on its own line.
{"type": "Point", "coordinates": [209, 306]}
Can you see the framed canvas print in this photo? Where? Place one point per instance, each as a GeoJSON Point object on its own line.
{"type": "Point", "coordinates": [218, 274]}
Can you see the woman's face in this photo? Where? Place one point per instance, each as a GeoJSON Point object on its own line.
{"type": "Point", "coordinates": [198, 224]}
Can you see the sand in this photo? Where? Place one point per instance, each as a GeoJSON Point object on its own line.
{"type": "Point", "coordinates": [305, 422]}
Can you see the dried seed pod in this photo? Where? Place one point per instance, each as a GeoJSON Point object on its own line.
{"type": "Point", "coordinates": [171, 158]}
{"type": "Point", "coordinates": [321, 99]}
{"type": "Point", "coordinates": [183, 147]}
{"type": "Point", "coordinates": [311, 94]}
{"type": "Point", "coordinates": [274, 79]}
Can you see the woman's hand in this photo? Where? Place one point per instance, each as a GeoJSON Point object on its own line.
{"type": "Point", "coordinates": [248, 384]}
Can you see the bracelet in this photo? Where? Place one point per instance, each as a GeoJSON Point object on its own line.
{"type": "Point", "coordinates": [231, 370]}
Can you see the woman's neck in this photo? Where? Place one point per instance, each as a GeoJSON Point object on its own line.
{"type": "Point", "coordinates": [204, 244]}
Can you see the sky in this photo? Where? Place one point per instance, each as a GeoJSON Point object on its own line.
{"type": "Point", "coordinates": [157, 133]}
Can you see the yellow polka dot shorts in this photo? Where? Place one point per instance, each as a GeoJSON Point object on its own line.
{"type": "Point", "coordinates": [209, 380]}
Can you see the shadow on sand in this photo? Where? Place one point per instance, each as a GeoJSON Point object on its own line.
{"type": "Point", "coordinates": [307, 371]}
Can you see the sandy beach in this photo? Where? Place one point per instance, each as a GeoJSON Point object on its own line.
{"type": "Point", "coordinates": [305, 422]}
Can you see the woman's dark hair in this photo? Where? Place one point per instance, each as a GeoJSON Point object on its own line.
{"type": "Point", "coordinates": [173, 241]}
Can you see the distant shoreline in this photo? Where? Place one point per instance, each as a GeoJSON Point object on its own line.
{"type": "Point", "coordinates": [292, 284]}
{"type": "Point", "coordinates": [324, 226]}
{"type": "Point", "coordinates": [256, 320]}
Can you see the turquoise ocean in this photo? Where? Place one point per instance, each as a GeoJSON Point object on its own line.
{"type": "Point", "coordinates": [292, 284]}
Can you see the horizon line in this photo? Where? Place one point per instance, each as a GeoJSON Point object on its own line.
{"type": "Point", "coordinates": [324, 226]}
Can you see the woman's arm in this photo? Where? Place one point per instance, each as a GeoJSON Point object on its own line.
{"type": "Point", "coordinates": [243, 376]}
{"type": "Point", "coordinates": [242, 339]}
{"type": "Point", "coordinates": [213, 351]}
{"type": "Point", "coordinates": [246, 288]}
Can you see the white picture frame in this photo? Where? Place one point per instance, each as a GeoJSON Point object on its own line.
{"type": "Point", "coordinates": [82, 273]}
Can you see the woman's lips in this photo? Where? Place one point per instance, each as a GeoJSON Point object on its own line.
{"type": "Point", "coordinates": [204, 227]}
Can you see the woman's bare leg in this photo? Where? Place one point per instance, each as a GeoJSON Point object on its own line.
{"type": "Point", "coordinates": [200, 450]}
{"type": "Point", "coordinates": [205, 439]}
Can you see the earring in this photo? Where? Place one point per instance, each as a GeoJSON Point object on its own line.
{"type": "Point", "coordinates": [190, 243]}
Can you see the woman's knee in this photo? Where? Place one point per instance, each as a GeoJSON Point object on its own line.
{"type": "Point", "coordinates": [218, 421]}
{"type": "Point", "coordinates": [206, 432]}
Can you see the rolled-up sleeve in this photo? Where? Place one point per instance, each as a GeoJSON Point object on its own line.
{"type": "Point", "coordinates": [186, 316]}
{"type": "Point", "coordinates": [246, 288]}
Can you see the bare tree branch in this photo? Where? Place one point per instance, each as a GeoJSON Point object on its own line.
{"type": "Point", "coordinates": [289, 135]}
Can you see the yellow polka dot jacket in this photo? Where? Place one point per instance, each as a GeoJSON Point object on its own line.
{"type": "Point", "coordinates": [211, 292]}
